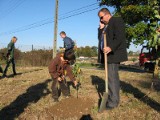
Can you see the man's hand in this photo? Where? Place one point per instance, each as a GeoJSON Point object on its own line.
{"type": "Point", "coordinates": [107, 50]}
{"type": "Point", "coordinates": [63, 77]}
{"type": "Point", "coordinates": [8, 54]}
{"type": "Point", "coordinates": [78, 85]}
{"type": "Point", "coordinates": [9, 57]}
{"type": "Point", "coordinates": [75, 83]}
{"type": "Point", "coordinates": [59, 79]}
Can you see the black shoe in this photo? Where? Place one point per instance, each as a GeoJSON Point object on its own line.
{"type": "Point", "coordinates": [14, 73]}
{"type": "Point", "coordinates": [1, 71]}
{"type": "Point", "coordinates": [3, 76]}
{"type": "Point", "coordinates": [109, 108]}
{"type": "Point", "coordinates": [56, 100]}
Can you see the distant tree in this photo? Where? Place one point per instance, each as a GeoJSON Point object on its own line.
{"type": "Point", "coordinates": [87, 51]}
{"type": "Point", "coordinates": [94, 51]}
{"type": "Point", "coordinates": [130, 53]}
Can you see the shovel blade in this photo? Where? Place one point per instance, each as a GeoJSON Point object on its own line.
{"type": "Point", "coordinates": [103, 102]}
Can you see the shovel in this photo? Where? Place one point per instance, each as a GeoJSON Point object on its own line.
{"type": "Point", "coordinates": [77, 88]}
{"type": "Point", "coordinates": [105, 94]}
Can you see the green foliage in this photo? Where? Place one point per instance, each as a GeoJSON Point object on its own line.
{"type": "Point", "coordinates": [134, 59]}
{"type": "Point", "coordinates": [130, 53]}
{"type": "Point", "coordinates": [139, 31]}
{"type": "Point", "coordinates": [76, 69]}
{"type": "Point", "coordinates": [77, 72]}
{"type": "Point", "coordinates": [87, 51]}
{"type": "Point", "coordinates": [142, 17]}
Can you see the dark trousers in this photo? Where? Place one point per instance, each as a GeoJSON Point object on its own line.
{"type": "Point", "coordinates": [13, 66]}
{"type": "Point", "coordinates": [1, 70]}
{"type": "Point", "coordinates": [63, 88]}
{"type": "Point", "coordinates": [113, 85]}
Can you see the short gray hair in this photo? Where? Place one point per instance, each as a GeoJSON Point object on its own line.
{"type": "Point", "coordinates": [104, 10]}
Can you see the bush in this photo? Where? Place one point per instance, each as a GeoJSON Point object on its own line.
{"type": "Point", "coordinates": [31, 58]}
{"type": "Point", "coordinates": [37, 57]}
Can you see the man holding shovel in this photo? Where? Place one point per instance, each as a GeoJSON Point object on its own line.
{"type": "Point", "coordinates": [114, 48]}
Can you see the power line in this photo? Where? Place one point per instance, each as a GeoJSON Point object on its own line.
{"type": "Point", "coordinates": [78, 13]}
{"type": "Point", "coordinates": [39, 25]}
{"type": "Point", "coordinates": [47, 21]}
{"type": "Point", "coordinates": [12, 7]}
{"type": "Point", "coordinates": [80, 8]}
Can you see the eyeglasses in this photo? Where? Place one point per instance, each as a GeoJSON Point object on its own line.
{"type": "Point", "coordinates": [102, 17]}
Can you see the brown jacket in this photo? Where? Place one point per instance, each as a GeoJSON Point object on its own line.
{"type": "Point", "coordinates": [57, 68]}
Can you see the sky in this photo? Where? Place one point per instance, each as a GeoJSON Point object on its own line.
{"type": "Point", "coordinates": [32, 22]}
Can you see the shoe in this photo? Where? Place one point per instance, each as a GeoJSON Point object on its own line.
{"type": "Point", "coordinates": [67, 96]}
{"type": "Point", "coordinates": [109, 108]}
{"type": "Point", "coordinates": [56, 100]}
{"type": "Point", "coordinates": [3, 76]}
{"type": "Point", "coordinates": [14, 73]}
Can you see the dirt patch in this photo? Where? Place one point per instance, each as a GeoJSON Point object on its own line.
{"type": "Point", "coordinates": [72, 107]}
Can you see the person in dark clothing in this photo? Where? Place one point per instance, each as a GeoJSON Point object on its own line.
{"type": "Point", "coordinates": [58, 69]}
{"type": "Point", "coordinates": [116, 51]}
{"type": "Point", "coordinates": [1, 70]}
{"type": "Point", "coordinates": [100, 38]}
{"type": "Point", "coordinates": [68, 42]}
{"type": "Point", "coordinates": [10, 56]}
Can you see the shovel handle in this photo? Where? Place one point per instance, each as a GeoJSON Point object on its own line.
{"type": "Point", "coordinates": [106, 64]}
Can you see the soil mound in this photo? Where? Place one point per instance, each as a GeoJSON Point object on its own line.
{"type": "Point", "coordinates": [72, 108]}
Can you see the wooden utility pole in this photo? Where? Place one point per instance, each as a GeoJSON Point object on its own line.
{"type": "Point", "coordinates": [55, 29]}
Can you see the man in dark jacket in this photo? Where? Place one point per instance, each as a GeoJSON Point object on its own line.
{"type": "Point", "coordinates": [10, 56]}
{"type": "Point", "coordinates": [100, 38]}
{"type": "Point", "coordinates": [58, 69]}
{"type": "Point", "coordinates": [116, 52]}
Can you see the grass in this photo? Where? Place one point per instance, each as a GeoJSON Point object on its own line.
{"type": "Point", "coordinates": [89, 65]}
{"type": "Point", "coordinates": [30, 93]}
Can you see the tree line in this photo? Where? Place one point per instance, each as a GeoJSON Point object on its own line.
{"type": "Point", "coordinates": [43, 57]}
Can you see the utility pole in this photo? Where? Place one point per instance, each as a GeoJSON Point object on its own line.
{"type": "Point", "coordinates": [55, 29]}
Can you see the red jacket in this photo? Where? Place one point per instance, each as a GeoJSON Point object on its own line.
{"type": "Point", "coordinates": [57, 68]}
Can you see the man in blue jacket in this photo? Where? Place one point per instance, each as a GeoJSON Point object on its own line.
{"type": "Point", "coordinates": [68, 42]}
{"type": "Point", "coordinates": [116, 52]}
